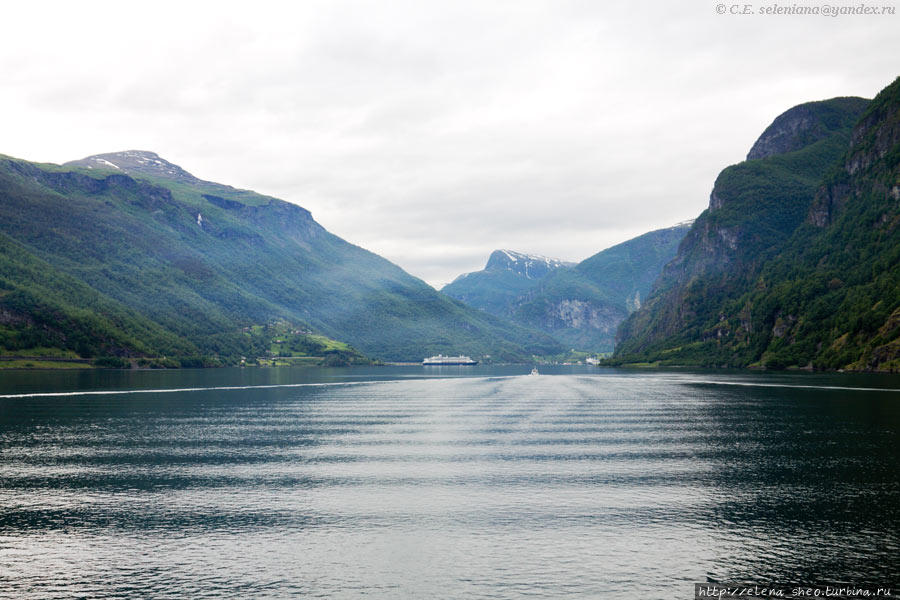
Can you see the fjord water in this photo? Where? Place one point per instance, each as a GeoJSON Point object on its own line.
{"type": "Point", "coordinates": [444, 483]}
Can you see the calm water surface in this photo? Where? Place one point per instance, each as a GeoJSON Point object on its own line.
{"type": "Point", "coordinates": [464, 483]}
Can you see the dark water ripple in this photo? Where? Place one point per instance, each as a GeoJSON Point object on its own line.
{"type": "Point", "coordinates": [486, 487]}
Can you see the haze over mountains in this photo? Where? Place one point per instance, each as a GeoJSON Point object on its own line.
{"type": "Point", "coordinates": [796, 263]}
{"type": "Point", "coordinates": [126, 254]}
{"type": "Point", "coordinates": [579, 304]}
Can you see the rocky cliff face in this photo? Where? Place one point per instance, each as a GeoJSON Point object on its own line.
{"type": "Point", "coordinates": [754, 208]}
{"type": "Point", "coordinates": [833, 297]}
{"type": "Point", "coordinates": [741, 203]}
{"type": "Point", "coordinates": [823, 295]}
{"type": "Point", "coordinates": [579, 321]}
{"type": "Point", "coordinates": [806, 124]}
{"type": "Point", "coordinates": [873, 140]}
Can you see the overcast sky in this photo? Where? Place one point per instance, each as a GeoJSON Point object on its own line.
{"type": "Point", "coordinates": [434, 132]}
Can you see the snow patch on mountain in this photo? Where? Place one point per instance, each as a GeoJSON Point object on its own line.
{"type": "Point", "coordinates": [104, 162]}
{"type": "Point", "coordinates": [531, 266]}
{"type": "Point", "coordinates": [136, 162]}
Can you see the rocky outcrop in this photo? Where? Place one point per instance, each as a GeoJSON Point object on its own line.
{"type": "Point", "coordinates": [874, 142]}
{"type": "Point", "coordinates": [828, 202]}
{"type": "Point", "coordinates": [783, 134]}
{"type": "Point", "coordinates": [804, 125]}
{"type": "Point", "coordinates": [579, 314]}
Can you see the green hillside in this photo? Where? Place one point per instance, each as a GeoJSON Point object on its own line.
{"type": "Point", "coordinates": [795, 264]}
{"type": "Point", "coordinates": [154, 262]}
{"type": "Point", "coordinates": [43, 307]}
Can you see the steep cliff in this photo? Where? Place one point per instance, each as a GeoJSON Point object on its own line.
{"type": "Point", "coordinates": [755, 208]}
{"type": "Point", "coordinates": [833, 295]}
{"type": "Point", "coordinates": [805, 124]}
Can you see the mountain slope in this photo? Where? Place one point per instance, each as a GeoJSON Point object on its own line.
{"type": "Point", "coordinates": [42, 307]}
{"type": "Point", "coordinates": [807, 278]}
{"type": "Point", "coordinates": [584, 306]}
{"type": "Point", "coordinates": [627, 270]}
{"type": "Point", "coordinates": [506, 276]}
{"type": "Point", "coordinates": [202, 261]}
{"type": "Point", "coordinates": [580, 305]}
{"type": "Point", "coordinates": [834, 297]}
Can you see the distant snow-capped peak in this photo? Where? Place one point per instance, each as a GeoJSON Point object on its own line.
{"type": "Point", "coordinates": [135, 162]}
{"type": "Point", "coordinates": [531, 266]}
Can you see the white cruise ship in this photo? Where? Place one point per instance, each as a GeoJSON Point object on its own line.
{"type": "Point", "coordinates": [440, 360]}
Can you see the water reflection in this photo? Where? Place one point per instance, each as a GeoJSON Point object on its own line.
{"type": "Point", "coordinates": [493, 486]}
{"type": "Point", "coordinates": [806, 482]}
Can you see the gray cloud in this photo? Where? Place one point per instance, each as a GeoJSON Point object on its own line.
{"type": "Point", "coordinates": [434, 132]}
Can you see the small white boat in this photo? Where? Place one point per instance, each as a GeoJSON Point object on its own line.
{"type": "Point", "coordinates": [534, 371]}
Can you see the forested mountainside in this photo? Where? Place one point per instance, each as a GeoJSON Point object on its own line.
{"type": "Point", "coordinates": [796, 262]}
{"type": "Point", "coordinates": [127, 255]}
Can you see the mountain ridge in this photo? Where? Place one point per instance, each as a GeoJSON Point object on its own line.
{"type": "Point", "coordinates": [205, 261]}
{"type": "Point", "coordinates": [821, 291]}
{"type": "Point", "coordinates": [135, 162]}
{"type": "Point", "coordinates": [580, 304]}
